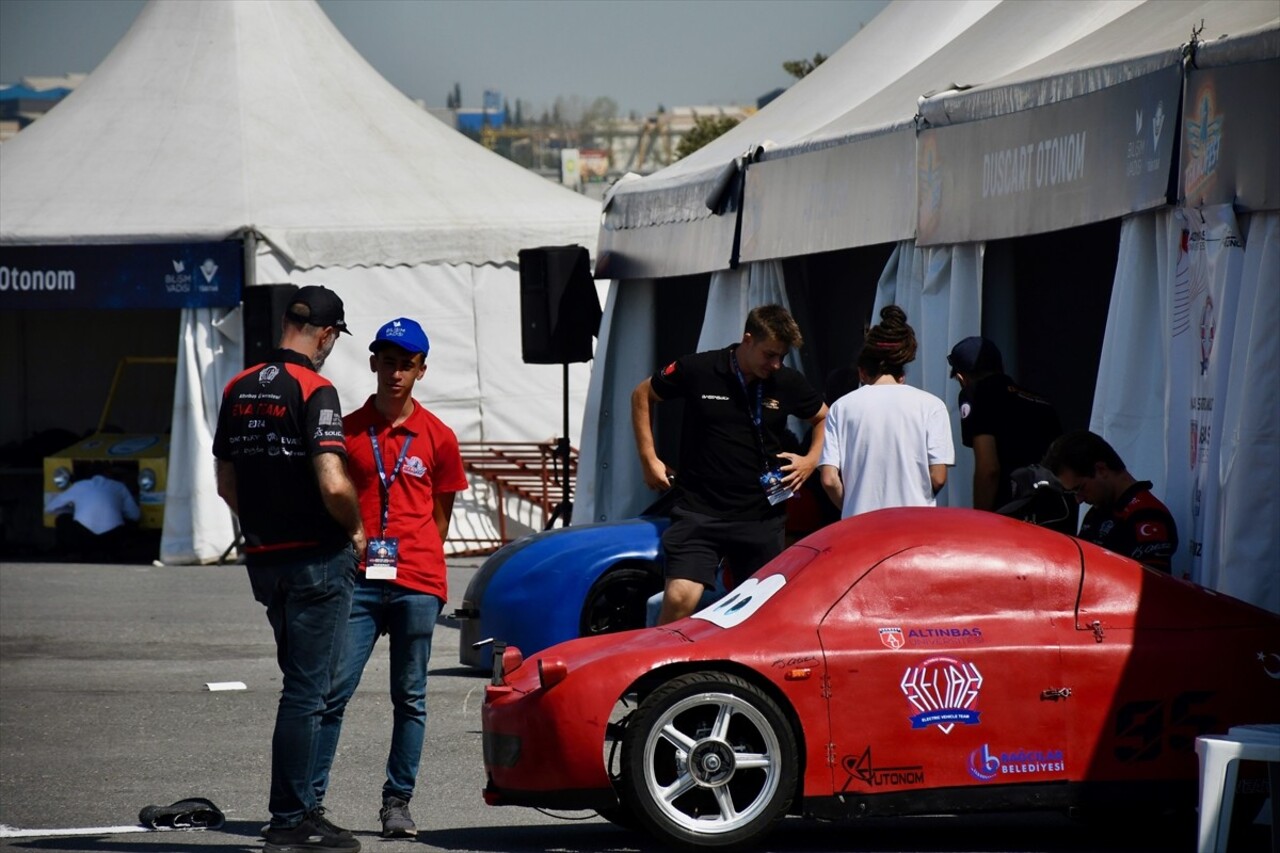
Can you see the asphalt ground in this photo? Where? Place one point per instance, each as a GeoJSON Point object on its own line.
{"type": "Point", "coordinates": [104, 710]}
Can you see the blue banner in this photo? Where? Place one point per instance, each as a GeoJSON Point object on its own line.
{"type": "Point", "coordinates": [151, 275]}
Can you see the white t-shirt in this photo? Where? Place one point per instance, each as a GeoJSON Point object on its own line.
{"type": "Point", "coordinates": [883, 438]}
{"type": "Point", "coordinates": [99, 503]}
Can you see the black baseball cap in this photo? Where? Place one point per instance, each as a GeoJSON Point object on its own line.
{"type": "Point", "coordinates": [975, 355]}
{"type": "Point", "coordinates": [324, 308]}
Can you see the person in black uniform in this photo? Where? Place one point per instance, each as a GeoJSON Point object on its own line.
{"type": "Point", "coordinates": [734, 474]}
{"type": "Point", "coordinates": [281, 467]}
{"type": "Point", "coordinates": [1007, 426]}
{"type": "Point", "coordinates": [1124, 516]}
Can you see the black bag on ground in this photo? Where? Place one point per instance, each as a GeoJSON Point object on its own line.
{"type": "Point", "coordinates": [193, 813]}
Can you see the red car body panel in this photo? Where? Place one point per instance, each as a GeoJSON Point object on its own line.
{"type": "Point", "coordinates": [922, 652]}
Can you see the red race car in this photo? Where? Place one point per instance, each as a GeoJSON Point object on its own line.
{"type": "Point", "coordinates": [907, 661]}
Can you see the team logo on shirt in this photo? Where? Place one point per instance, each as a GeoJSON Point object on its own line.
{"type": "Point", "coordinates": [770, 403]}
{"type": "Point", "coordinates": [413, 467]}
{"type": "Point", "coordinates": [669, 369]}
{"type": "Point", "coordinates": [267, 374]}
{"type": "Point", "coordinates": [964, 411]}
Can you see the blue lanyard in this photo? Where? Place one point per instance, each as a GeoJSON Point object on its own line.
{"type": "Point", "coordinates": [383, 479]}
{"type": "Point", "coordinates": [757, 416]}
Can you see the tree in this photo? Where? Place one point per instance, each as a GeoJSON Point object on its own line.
{"type": "Point", "coordinates": [518, 121]}
{"type": "Point", "coordinates": [800, 68]}
{"type": "Point", "coordinates": [705, 129]}
{"type": "Point", "coordinates": [601, 111]}
{"type": "Point", "coordinates": [454, 101]}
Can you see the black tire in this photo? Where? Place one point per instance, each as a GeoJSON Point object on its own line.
{"type": "Point", "coordinates": [616, 601]}
{"type": "Point", "coordinates": [691, 788]}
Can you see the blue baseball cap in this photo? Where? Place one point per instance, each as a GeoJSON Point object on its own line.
{"type": "Point", "coordinates": [404, 333]}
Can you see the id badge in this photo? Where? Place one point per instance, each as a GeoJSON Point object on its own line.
{"type": "Point", "coordinates": [774, 489]}
{"type": "Point", "coordinates": [380, 559]}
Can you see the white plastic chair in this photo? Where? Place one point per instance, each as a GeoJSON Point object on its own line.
{"type": "Point", "coordinates": [1219, 765]}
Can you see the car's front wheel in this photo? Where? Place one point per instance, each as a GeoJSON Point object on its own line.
{"type": "Point", "coordinates": [617, 600]}
{"type": "Point", "coordinates": [709, 760]}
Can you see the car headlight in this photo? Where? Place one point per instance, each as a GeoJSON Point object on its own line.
{"type": "Point", "coordinates": [61, 478]}
{"type": "Point", "coordinates": [146, 480]}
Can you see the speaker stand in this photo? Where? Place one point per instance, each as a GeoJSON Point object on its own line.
{"type": "Point", "coordinates": [563, 510]}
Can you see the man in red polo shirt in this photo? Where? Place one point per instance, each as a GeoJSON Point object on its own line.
{"type": "Point", "coordinates": [406, 468]}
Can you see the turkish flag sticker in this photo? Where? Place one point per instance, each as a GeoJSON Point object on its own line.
{"type": "Point", "coordinates": [1151, 531]}
{"type": "Point", "coordinates": [669, 369]}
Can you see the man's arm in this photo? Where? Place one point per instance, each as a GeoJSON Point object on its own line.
{"type": "Point", "coordinates": [128, 506]}
{"type": "Point", "coordinates": [937, 477]}
{"type": "Point", "coordinates": [339, 496]}
{"type": "Point", "coordinates": [802, 467]}
{"type": "Point", "coordinates": [986, 472]}
{"type": "Point", "coordinates": [656, 474]}
{"type": "Point", "coordinates": [832, 484]}
{"type": "Point", "coordinates": [442, 513]}
{"type": "Point", "coordinates": [225, 473]}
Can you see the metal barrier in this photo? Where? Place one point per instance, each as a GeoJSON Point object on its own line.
{"type": "Point", "coordinates": [530, 471]}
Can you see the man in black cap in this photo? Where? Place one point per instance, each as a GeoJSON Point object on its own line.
{"type": "Point", "coordinates": [1007, 426]}
{"type": "Point", "coordinates": [281, 467]}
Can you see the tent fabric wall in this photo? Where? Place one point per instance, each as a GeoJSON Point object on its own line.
{"type": "Point", "coordinates": [1246, 563]}
{"type": "Point", "coordinates": [610, 486]}
{"type": "Point", "coordinates": [1132, 399]}
{"type": "Point", "coordinates": [197, 526]}
{"type": "Point", "coordinates": [1204, 378]}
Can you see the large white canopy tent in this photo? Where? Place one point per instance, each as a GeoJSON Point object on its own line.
{"type": "Point", "coordinates": [256, 120]}
{"type": "Point", "coordinates": [852, 180]}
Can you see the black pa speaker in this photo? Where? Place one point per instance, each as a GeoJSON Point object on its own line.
{"type": "Point", "coordinates": [559, 311]}
{"type": "Point", "coordinates": [264, 306]}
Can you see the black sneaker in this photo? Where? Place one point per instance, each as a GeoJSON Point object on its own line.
{"type": "Point", "coordinates": [314, 835]}
{"type": "Point", "coordinates": [396, 821]}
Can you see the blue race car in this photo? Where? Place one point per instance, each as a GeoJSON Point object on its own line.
{"type": "Point", "coordinates": [552, 586]}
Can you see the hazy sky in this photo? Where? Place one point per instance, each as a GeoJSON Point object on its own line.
{"type": "Point", "coordinates": [641, 53]}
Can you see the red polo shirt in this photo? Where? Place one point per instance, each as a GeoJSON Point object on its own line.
{"type": "Point", "coordinates": [432, 466]}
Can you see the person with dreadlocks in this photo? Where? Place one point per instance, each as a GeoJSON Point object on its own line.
{"type": "Point", "coordinates": [887, 443]}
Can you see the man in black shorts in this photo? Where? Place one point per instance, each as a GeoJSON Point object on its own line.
{"type": "Point", "coordinates": [734, 475]}
{"type": "Point", "coordinates": [1006, 425]}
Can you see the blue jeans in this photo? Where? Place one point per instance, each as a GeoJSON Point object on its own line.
{"type": "Point", "coordinates": [408, 617]}
{"type": "Point", "coordinates": [308, 603]}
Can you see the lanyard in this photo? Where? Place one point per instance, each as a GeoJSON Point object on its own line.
{"type": "Point", "coordinates": [756, 415]}
{"type": "Point", "coordinates": [385, 481]}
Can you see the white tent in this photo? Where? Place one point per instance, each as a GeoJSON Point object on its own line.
{"type": "Point", "coordinates": [853, 155]}
{"type": "Point", "coordinates": [255, 119]}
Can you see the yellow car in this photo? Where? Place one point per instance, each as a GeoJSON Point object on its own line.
{"type": "Point", "coordinates": [132, 436]}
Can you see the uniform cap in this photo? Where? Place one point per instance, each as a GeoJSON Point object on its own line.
{"type": "Point", "coordinates": [404, 333]}
{"type": "Point", "coordinates": [324, 307]}
{"type": "Point", "coordinates": [975, 355]}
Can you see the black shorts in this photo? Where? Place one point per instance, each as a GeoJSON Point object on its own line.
{"type": "Point", "coordinates": [695, 543]}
